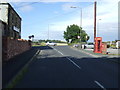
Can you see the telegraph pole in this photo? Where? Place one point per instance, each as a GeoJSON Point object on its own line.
{"type": "Point", "coordinates": [95, 4]}
{"type": "Point", "coordinates": [95, 25]}
{"type": "Point", "coordinates": [81, 18]}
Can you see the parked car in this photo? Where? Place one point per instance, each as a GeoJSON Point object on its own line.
{"type": "Point", "coordinates": [88, 46]}
{"type": "Point", "coordinates": [75, 45]}
{"type": "Point", "coordinates": [51, 44]}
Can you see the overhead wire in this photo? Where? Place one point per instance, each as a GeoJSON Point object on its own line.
{"type": "Point", "coordinates": [25, 5]}
{"type": "Point", "coordinates": [55, 17]}
{"type": "Point", "coordinates": [51, 18]}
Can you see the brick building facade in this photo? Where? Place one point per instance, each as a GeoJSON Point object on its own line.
{"type": "Point", "coordinates": [12, 20]}
{"type": "Point", "coordinates": [10, 25]}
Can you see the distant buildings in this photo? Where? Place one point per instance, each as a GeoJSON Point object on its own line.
{"type": "Point", "coordinates": [10, 20]}
{"type": "Point", "coordinates": [114, 44]}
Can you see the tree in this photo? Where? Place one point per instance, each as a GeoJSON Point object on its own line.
{"type": "Point", "coordinates": [73, 31]}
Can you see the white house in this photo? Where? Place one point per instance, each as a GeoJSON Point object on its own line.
{"type": "Point", "coordinates": [118, 44]}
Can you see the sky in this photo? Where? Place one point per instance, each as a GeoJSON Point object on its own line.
{"type": "Point", "coordinates": [40, 17]}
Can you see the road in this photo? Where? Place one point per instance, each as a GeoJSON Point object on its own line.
{"type": "Point", "coordinates": [63, 67]}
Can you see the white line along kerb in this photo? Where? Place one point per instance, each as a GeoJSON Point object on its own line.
{"type": "Point", "coordinates": [100, 85]}
{"type": "Point", "coordinates": [67, 58]}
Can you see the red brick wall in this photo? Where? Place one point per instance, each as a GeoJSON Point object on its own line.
{"type": "Point", "coordinates": [12, 47]}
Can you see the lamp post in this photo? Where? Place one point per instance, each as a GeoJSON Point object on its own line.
{"type": "Point", "coordinates": [49, 30]}
{"type": "Point", "coordinates": [80, 14]}
{"type": "Point", "coordinates": [79, 37]}
{"type": "Point", "coordinates": [98, 27]}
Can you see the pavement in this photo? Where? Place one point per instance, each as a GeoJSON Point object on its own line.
{"type": "Point", "coordinates": [113, 53]}
{"type": "Point", "coordinates": [14, 65]}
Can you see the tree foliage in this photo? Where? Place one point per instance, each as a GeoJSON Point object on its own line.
{"type": "Point", "coordinates": [73, 31]}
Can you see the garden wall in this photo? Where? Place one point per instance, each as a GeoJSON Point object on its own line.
{"type": "Point", "coordinates": [13, 47]}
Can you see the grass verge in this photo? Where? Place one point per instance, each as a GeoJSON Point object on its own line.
{"type": "Point", "coordinates": [20, 74]}
{"type": "Point", "coordinates": [17, 78]}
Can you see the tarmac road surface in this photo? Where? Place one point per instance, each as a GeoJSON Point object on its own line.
{"type": "Point", "coordinates": [63, 67]}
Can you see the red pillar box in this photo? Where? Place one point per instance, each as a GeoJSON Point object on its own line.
{"type": "Point", "coordinates": [98, 45]}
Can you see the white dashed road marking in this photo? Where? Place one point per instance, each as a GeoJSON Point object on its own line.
{"type": "Point", "coordinates": [58, 51]}
{"type": "Point", "coordinates": [79, 68]}
{"type": "Point", "coordinates": [100, 85]}
{"type": "Point", "coordinates": [73, 63]}
{"type": "Point", "coordinates": [67, 58]}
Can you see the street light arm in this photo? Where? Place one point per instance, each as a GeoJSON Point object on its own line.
{"type": "Point", "coordinates": [73, 7]}
{"type": "Point", "coordinates": [49, 30]}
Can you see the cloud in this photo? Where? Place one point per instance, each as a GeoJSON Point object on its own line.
{"type": "Point", "coordinates": [58, 35]}
{"type": "Point", "coordinates": [61, 25]}
{"type": "Point", "coordinates": [47, 0]}
{"type": "Point", "coordinates": [56, 12]}
{"type": "Point", "coordinates": [106, 10]}
{"type": "Point", "coordinates": [26, 8]}
{"type": "Point", "coordinates": [53, 35]}
{"type": "Point", "coordinates": [58, 0]}
{"type": "Point", "coordinates": [23, 6]}
{"type": "Point", "coordinates": [108, 26]}
{"type": "Point", "coordinates": [61, 0]}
